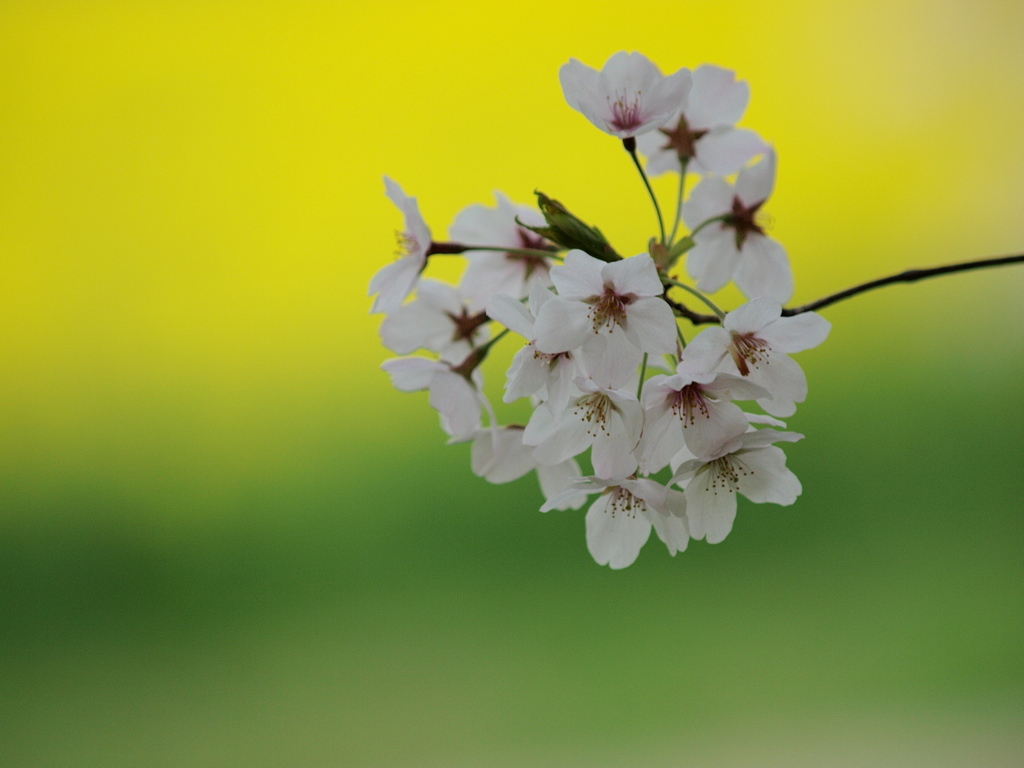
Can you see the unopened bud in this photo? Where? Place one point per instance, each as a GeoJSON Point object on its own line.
{"type": "Point", "coordinates": [568, 231]}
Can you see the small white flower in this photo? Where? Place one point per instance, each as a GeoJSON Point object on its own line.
{"type": "Point", "coordinates": [619, 521]}
{"type": "Point", "coordinates": [628, 97]}
{"type": "Point", "coordinates": [491, 272]}
{"type": "Point", "coordinates": [694, 410]}
{"type": "Point", "coordinates": [703, 131]}
{"type": "Point", "coordinates": [737, 247]}
{"type": "Point", "coordinates": [610, 420]}
{"type": "Point", "coordinates": [755, 468]}
{"type": "Point", "coordinates": [613, 311]}
{"type": "Point", "coordinates": [439, 319]}
{"type": "Point", "coordinates": [755, 342]}
{"type": "Point", "coordinates": [533, 371]}
{"type": "Point", "coordinates": [396, 281]}
{"type": "Point", "coordinates": [454, 396]}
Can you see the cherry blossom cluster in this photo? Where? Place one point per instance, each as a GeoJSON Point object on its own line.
{"type": "Point", "coordinates": [672, 428]}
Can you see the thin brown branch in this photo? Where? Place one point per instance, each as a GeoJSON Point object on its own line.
{"type": "Point", "coordinates": [907, 276]}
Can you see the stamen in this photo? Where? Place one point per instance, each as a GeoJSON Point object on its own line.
{"type": "Point", "coordinates": [689, 401]}
{"type": "Point", "coordinates": [724, 474]}
{"type": "Point", "coordinates": [625, 503]}
{"type": "Point", "coordinates": [609, 309]}
{"type": "Point", "coordinates": [749, 351]}
{"type": "Point", "coordinates": [625, 114]}
{"type": "Point", "coordinates": [407, 244]}
{"type": "Point", "coordinates": [594, 409]}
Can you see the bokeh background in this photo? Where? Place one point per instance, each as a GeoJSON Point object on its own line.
{"type": "Point", "coordinates": [226, 541]}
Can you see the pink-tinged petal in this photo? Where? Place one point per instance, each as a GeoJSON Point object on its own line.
{"type": "Point", "coordinates": [724, 151]}
{"type": "Point", "coordinates": [651, 326]}
{"type": "Point", "coordinates": [710, 507]}
{"type": "Point", "coordinates": [579, 277]}
{"type": "Point", "coordinates": [415, 326]}
{"type": "Point", "coordinates": [709, 433]}
{"type": "Point", "coordinates": [499, 456]}
{"type": "Point", "coordinates": [558, 484]}
{"type": "Point", "coordinates": [457, 402]}
{"type": "Point", "coordinates": [767, 479]}
{"type": "Point", "coordinates": [753, 316]}
{"type": "Point", "coordinates": [393, 282]}
{"type": "Point", "coordinates": [764, 269]}
{"type": "Point", "coordinates": [785, 379]}
{"type": "Point", "coordinates": [665, 99]}
{"type": "Point", "coordinates": [713, 260]}
{"type": "Point", "coordinates": [615, 537]}
{"type": "Point", "coordinates": [610, 359]}
{"type": "Point", "coordinates": [716, 98]}
{"type": "Point", "coordinates": [704, 353]}
{"type": "Point", "coordinates": [562, 325]}
{"type": "Point", "coordinates": [628, 73]}
{"type": "Point", "coordinates": [411, 374]}
{"type": "Point", "coordinates": [797, 333]}
{"type": "Point", "coordinates": [636, 275]}
{"type": "Point", "coordinates": [711, 197]}
{"type": "Point", "coordinates": [755, 184]}
{"type": "Point", "coordinates": [512, 314]}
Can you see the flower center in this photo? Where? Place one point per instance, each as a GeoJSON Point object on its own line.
{"type": "Point", "coordinates": [625, 113]}
{"type": "Point", "coordinates": [743, 220]}
{"type": "Point", "coordinates": [549, 357]}
{"type": "Point", "coordinates": [466, 325]}
{"type": "Point", "coordinates": [407, 244]}
{"type": "Point", "coordinates": [594, 409]}
{"type": "Point", "coordinates": [688, 402]}
{"type": "Point", "coordinates": [682, 139]}
{"type": "Point", "coordinates": [624, 503]}
{"type": "Point", "coordinates": [748, 351]}
{"type": "Point", "coordinates": [609, 309]}
{"type": "Point", "coordinates": [724, 474]}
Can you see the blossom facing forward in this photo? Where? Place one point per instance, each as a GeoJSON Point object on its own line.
{"type": "Point", "coordinates": [628, 97]}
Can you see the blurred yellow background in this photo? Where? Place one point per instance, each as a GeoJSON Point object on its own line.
{"type": "Point", "coordinates": [192, 414]}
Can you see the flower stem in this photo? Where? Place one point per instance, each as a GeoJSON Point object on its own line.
{"type": "Point", "coordinates": [683, 162]}
{"type": "Point", "coordinates": [699, 295]}
{"type": "Point", "coordinates": [630, 145]}
{"type": "Point", "coordinates": [643, 372]}
{"type": "Point", "coordinates": [712, 220]}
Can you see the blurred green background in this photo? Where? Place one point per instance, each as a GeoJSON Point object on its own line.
{"type": "Point", "coordinates": [226, 541]}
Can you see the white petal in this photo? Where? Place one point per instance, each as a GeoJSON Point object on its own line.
{"type": "Point", "coordinates": [393, 282]}
{"type": "Point", "coordinates": [512, 314]}
{"type": "Point", "coordinates": [711, 197]}
{"type": "Point", "coordinates": [713, 260]}
{"type": "Point", "coordinates": [579, 85]}
{"type": "Point", "coordinates": [411, 374]}
{"type": "Point", "coordinates": [754, 184]}
{"type": "Point", "coordinates": [795, 334]}
{"type": "Point", "coordinates": [708, 434]}
{"type": "Point", "coordinates": [672, 530]}
{"type": "Point", "coordinates": [753, 316]}
{"type": "Point", "coordinates": [652, 323]}
{"type": "Point", "coordinates": [716, 97]}
{"type": "Point", "coordinates": [500, 456]}
{"type": "Point", "coordinates": [785, 379]}
{"type": "Point", "coordinates": [527, 374]}
{"type": "Point", "coordinates": [579, 277]}
{"type": "Point", "coordinates": [724, 151]}
{"type": "Point", "coordinates": [710, 511]}
{"type": "Point", "coordinates": [557, 485]}
{"type": "Point", "coordinates": [759, 438]}
{"type": "Point", "coordinates": [562, 325]}
{"type": "Point", "coordinates": [636, 275]}
{"type": "Point", "coordinates": [416, 326]}
{"type": "Point", "coordinates": [615, 538]}
{"type": "Point", "coordinates": [610, 359]}
{"type": "Point", "coordinates": [763, 269]}
{"type": "Point", "coordinates": [768, 480]}
{"type": "Point", "coordinates": [707, 349]}
{"type": "Point", "coordinates": [457, 402]}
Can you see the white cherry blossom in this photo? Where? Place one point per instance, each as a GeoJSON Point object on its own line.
{"type": "Point", "coordinates": [612, 312]}
{"type": "Point", "coordinates": [608, 420]}
{"type": "Point", "coordinates": [619, 521]}
{"type": "Point", "coordinates": [703, 130]}
{"type": "Point", "coordinates": [491, 272]}
{"type": "Point", "coordinates": [737, 247]}
{"type": "Point", "coordinates": [628, 97]}
{"type": "Point", "coordinates": [396, 281]}
{"type": "Point", "coordinates": [533, 371]}
{"type": "Point", "coordinates": [755, 342]}
{"type": "Point", "coordinates": [455, 397]}
{"type": "Point", "coordinates": [439, 319]}
{"type": "Point", "coordinates": [755, 468]}
{"type": "Point", "coordinates": [695, 410]}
